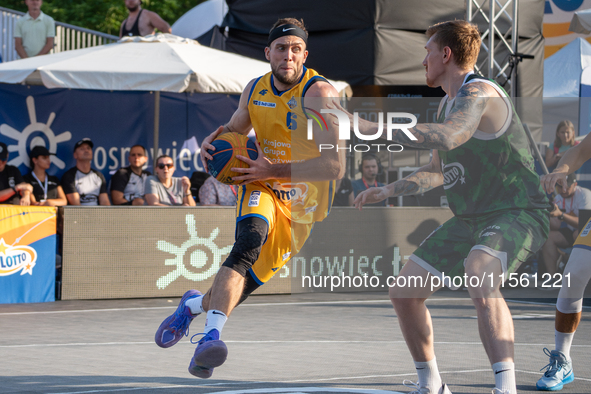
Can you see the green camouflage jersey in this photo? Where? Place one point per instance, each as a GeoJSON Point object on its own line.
{"type": "Point", "coordinates": [491, 172]}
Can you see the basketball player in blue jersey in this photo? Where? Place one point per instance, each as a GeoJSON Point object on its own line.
{"type": "Point", "coordinates": [275, 213]}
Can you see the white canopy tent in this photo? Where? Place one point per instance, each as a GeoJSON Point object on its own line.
{"type": "Point", "coordinates": [200, 19]}
{"type": "Point", "coordinates": [563, 83]}
{"type": "Point", "coordinates": [581, 22]}
{"type": "Point", "coordinates": [161, 62]}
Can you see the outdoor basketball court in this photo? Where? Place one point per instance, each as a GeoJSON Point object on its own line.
{"type": "Point", "coordinates": [311, 343]}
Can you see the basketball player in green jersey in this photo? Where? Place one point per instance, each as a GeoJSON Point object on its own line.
{"type": "Point", "coordinates": [481, 157]}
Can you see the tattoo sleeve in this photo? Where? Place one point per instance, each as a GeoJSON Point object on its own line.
{"type": "Point", "coordinates": [417, 183]}
{"type": "Point", "coordinates": [459, 125]}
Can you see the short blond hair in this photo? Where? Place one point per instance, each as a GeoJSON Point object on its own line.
{"type": "Point", "coordinates": [463, 38]}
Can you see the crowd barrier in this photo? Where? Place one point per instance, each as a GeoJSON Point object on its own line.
{"type": "Point", "coordinates": [135, 252]}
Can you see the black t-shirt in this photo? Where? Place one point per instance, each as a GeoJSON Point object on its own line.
{"type": "Point", "coordinates": [129, 183]}
{"type": "Point", "coordinates": [341, 197]}
{"type": "Point", "coordinates": [88, 186]}
{"type": "Point", "coordinates": [52, 183]}
{"type": "Point", "coordinates": [9, 178]}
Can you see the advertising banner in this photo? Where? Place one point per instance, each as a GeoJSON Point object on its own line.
{"type": "Point", "coordinates": [114, 121]}
{"type": "Point", "coordinates": [27, 254]}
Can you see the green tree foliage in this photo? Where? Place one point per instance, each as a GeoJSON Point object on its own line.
{"type": "Point", "coordinates": [103, 15]}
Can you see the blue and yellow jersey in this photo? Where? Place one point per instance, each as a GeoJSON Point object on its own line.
{"type": "Point", "coordinates": [280, 123]}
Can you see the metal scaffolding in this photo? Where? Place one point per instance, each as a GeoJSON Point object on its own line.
{"type": "Point", "coordinates": [495, 41]}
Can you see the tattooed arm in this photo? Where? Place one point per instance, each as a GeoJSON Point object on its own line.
{"type": "Point", "coordinates": [420, 181]}
{"type": "Point", "coordinates": [458, 127]}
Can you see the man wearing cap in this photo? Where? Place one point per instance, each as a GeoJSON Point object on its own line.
{"type": "Point", "coordinates": [564, 220]}
{"type": "Point", "coordinates": [82, 184]}
{"type": "Point", "coordinates": [46, 188]}
{"type": "Point", "coordinates": [288, 188]}
{"type": "Point", "coordinates": [13, 189]}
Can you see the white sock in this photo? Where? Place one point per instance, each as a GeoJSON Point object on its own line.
{"type": "Point", "coordinates": [429, 375]}
{"type": "Point", "coordinates": [563, 341]}
{"type": "Point", "coordinates": [215, 319]}
{"type": "Point", "coordinates": [195, 305]}
{"type": "Point", "coordinates": [505, 377]}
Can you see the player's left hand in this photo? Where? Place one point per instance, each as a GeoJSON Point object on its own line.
{"type": "Point", "coordinates": [371, 196]}
{"type": "Point", "coordinates": [259, 169]}
{"type": "Point", "coordinates": [550, 181]}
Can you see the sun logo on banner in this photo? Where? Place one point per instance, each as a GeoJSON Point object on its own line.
{"type": "Point", "coordinates": [16, 258]}
{"type": "Point", "coordinates": [34, 134]}
{"type": "Point", "coordinates": [197, 259]}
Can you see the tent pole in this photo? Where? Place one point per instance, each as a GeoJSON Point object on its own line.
{"type": "Point", "coordinates": [156, 125]}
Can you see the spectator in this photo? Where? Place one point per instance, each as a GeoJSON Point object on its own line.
{"type": "Point", "coordinates": [34, 33]}
{"type": "Point", "coordinates": [565, 139]}
{"type": "Point", "coordinates": [564, 221]}
{"type": "Point", "coordinates": [214, 192]}
{"type": "Point", "coordinates": [46, 188]}
{"type": "Point", "coordinates": [82, 184]}
{"type": "Point", "coordinates": [13, 189]}
{"type": "Point", "coordinates": [344, 195]}
{"type": "Point", "coordinates": [140, 23]}
{"type": "Point", "coordinates": [370, 167]}
{"type": "Point", "coordinates": [127, 184]}
{"type": "Point", "coordinates": [164, 189]}
{"type": "Point", "coordinates": [197, 180]}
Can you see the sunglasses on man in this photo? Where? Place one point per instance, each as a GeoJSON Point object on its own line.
{"type": "Point", "coordinates": [162, 165]}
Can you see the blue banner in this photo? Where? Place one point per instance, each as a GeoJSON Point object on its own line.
{"type": "Point", "coordinates": [114, 121]}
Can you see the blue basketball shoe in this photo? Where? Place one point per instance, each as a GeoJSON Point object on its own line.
{"type": "Point", "coordinates": [175, 326]}
{"type": "Point", "coordinates": [211, 352]}
{"type": "Point", "coordinates": [559, 372]}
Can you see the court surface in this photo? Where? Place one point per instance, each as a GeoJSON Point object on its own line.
{"type": "Point", "coordinates": [307, 343]}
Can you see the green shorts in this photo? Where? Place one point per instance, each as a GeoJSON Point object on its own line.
{"type": "Point", "coordinates": [511, 236]}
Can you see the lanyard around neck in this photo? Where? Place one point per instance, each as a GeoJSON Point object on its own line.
{"type": "Point", "coordinates": [44, 187]}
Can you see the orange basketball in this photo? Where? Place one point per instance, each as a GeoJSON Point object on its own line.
{"type": "Point", "coordinates": [227, 146]}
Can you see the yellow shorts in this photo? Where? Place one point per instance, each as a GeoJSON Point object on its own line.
{"type": "Point", "coordinates": [284, 238]}
{"type": "Point", "coordinates": [584, 239]}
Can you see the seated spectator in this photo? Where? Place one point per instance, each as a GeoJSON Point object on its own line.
{"type": "Point", "coordinates": [46, 188]}
{"type": "Point", "coordinates": [13, 189]}
{"type": "Point", "coordinates": [214, 192]}
{"type": "Point", "coordinates": [141, 22]}
{"type": "Point", "coordinates": [127, 184]}
{"type": "Point", "coordinates": [197, 180]}
{"type": "Point", "coordinates": [164, 189]}
{"type": "Point", "coordinates": [344, 194]}
{"type": "Point", "coordinates": [370, 167]}
{"type": "Point", "coordinates": [564, 221]}
{"type": "Point", "coordinates": [565, 139]}
{"type": "Point", "coordinates": [34, 33]}
{"type": "Point", "coordinates": [82, 184]}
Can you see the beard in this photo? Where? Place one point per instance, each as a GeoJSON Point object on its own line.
{"type": "Point", "coordinates": [133, 9]}
{"type": "Point", "coordinates": [284, 79]}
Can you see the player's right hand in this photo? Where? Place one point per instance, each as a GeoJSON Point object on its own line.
{"type": "Point", "coordinates": [371, 196]}
{"type": "Point", "coordinates": [549, 181]}
{"type": "Point", "coordinates": [207, 146]}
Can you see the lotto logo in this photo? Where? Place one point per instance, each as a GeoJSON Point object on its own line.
{"type": "Point", "coordinates": [254, 198]}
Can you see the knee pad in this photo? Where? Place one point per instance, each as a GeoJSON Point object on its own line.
{"type": "Point", "coordinates": [251, 234]}
{"type": "Point", "coordinates": [574, 280]}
